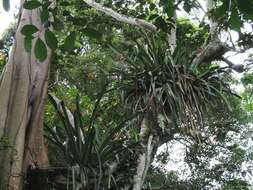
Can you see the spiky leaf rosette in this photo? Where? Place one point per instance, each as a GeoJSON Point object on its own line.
{"type": "Point", "coordinates": [90, 151]}
{"type": "Point", "coordinates": [154, 80]}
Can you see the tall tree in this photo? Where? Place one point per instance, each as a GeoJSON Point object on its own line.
{"type": "Point", "coordinates": [23, 89]}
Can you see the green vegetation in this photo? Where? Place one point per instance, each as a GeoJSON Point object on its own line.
{"type": "Point", "coordinates": [118, 91]}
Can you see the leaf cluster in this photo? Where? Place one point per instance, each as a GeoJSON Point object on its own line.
{"type": "Point", "coordinates": [156, 80]}
{"type": "Point", "coordinates": [88, 149]}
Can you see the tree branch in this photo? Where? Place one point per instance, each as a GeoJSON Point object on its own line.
{"type": "Point", "coordinates": [237, 67]}
{"type": "Point", "coordinates": [214, 50]}
{"type": "Point", "coordinates": [120, 17]}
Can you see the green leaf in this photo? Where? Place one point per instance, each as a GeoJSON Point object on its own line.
{"type": "Point", "coordinates": [65, 3]}
{"type": "Point", "coordinates": [29, 30]}
{"type": "Point", "coordinates": [168, 7]}
{"type": "Point", "coordinates": [28, 43]}
{"type": "Point", "coordinates": [51, 40]}
{"type": "Point", "coordinates": [6, 5]}
{"type": "Point", "coordinates": [58, 25]}
{"type": "Point", "coordinates": [160, 23]}
{"type": "Point", "coordinates": [235, 20]}
{"type": "Point", "coordinates": [90, 32]}
{"type": "Point", "coordinates": [40, 50]}
{"type": "Point", "coordinates": [188, 5]}
{"type": "Point", "coordinates": [245, 7]}
{"type": "Point", "coordinates": [46, 4]}
{"type": "Point", "coordinates": [152, 6]}
{"type": "Point", "coordinates": [222, 10]}
{"type": "Point", "coordinates": [31, 4]}
{"type": "Point", "coordinates": [79, 21]}
{"type": "Point", "coordinates": [44, 15]}
{"type": "Point", "coordinates": [69, 43]}
{"type": "Point", "coordinates": [153, 16]}
{"type": "Point", "coordinates": [251, 156]}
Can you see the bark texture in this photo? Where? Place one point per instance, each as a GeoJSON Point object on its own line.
{"type": "Point", "coordinates": [213, 24]}
{"type": "Point", "coordinates": [144, 158]}
{"type": "Point", "coordinates": [23, 87]}
{"type": "Point", "coordinates": [150, 139]}
{"type": "Point", "coordinates": [172, 36]}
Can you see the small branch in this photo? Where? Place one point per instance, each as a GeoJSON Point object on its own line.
{"type": "Point", "coordinates": [236, 67]}
{"type": "Point", "coordinates": [120, 17]}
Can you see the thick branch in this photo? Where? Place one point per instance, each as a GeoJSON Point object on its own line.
{"type": "Point", "coordinates": [120, 17]}
{"type": "Point", "coordinates": [214, 50]}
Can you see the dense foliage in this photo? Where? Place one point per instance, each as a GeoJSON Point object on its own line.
{"type": "Point", "coordinates": [106, 76]}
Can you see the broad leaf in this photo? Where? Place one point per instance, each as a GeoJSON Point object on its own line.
{"type": "Point", "coordinates": [40, 50]}
{"type": "Point", "coordinates": [168, 7]}
{"type": "Point", "coordinates": [57, 24]}
{"type": "Point", "coordinates": [160, 23]}
{"type": "Point", "coordinates": [51, 40]}
{"type": "Point", "coordinates": [29, 30]}
{"type": "Point", "coordinates": [235, 20]}
{"type": "Point", "coordinates": [31, 4]}
{"type": "Point", "coordinates": [44, 15]}
{"type": "Point", "coordinates": [28, 43]}
{"type": "Point", "coordinates": [245, 7]}
{"type": "Point", "coordinates": [222, 9]}
{"type": "Point", "coordinates": [90, 32]}
{"type": "Point", "coordinates": [65, 3]}
{"type": "Point", "coordinates": [79, 21]}
{"type": "Point", "coordinates": [69, 43]}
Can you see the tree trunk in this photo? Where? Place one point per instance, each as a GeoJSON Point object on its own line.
{"type": "Point", "coordinates": [23, 87]}
{"type": "Point", "coordinates": [172, 36]}
{"type": "Point", "coordinates": [213, 24]}
{"type": "Point", "coordinates": [147, 141]}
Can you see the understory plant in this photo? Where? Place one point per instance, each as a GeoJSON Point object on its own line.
{"type": "Point", "coordinates": [91, 152]}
